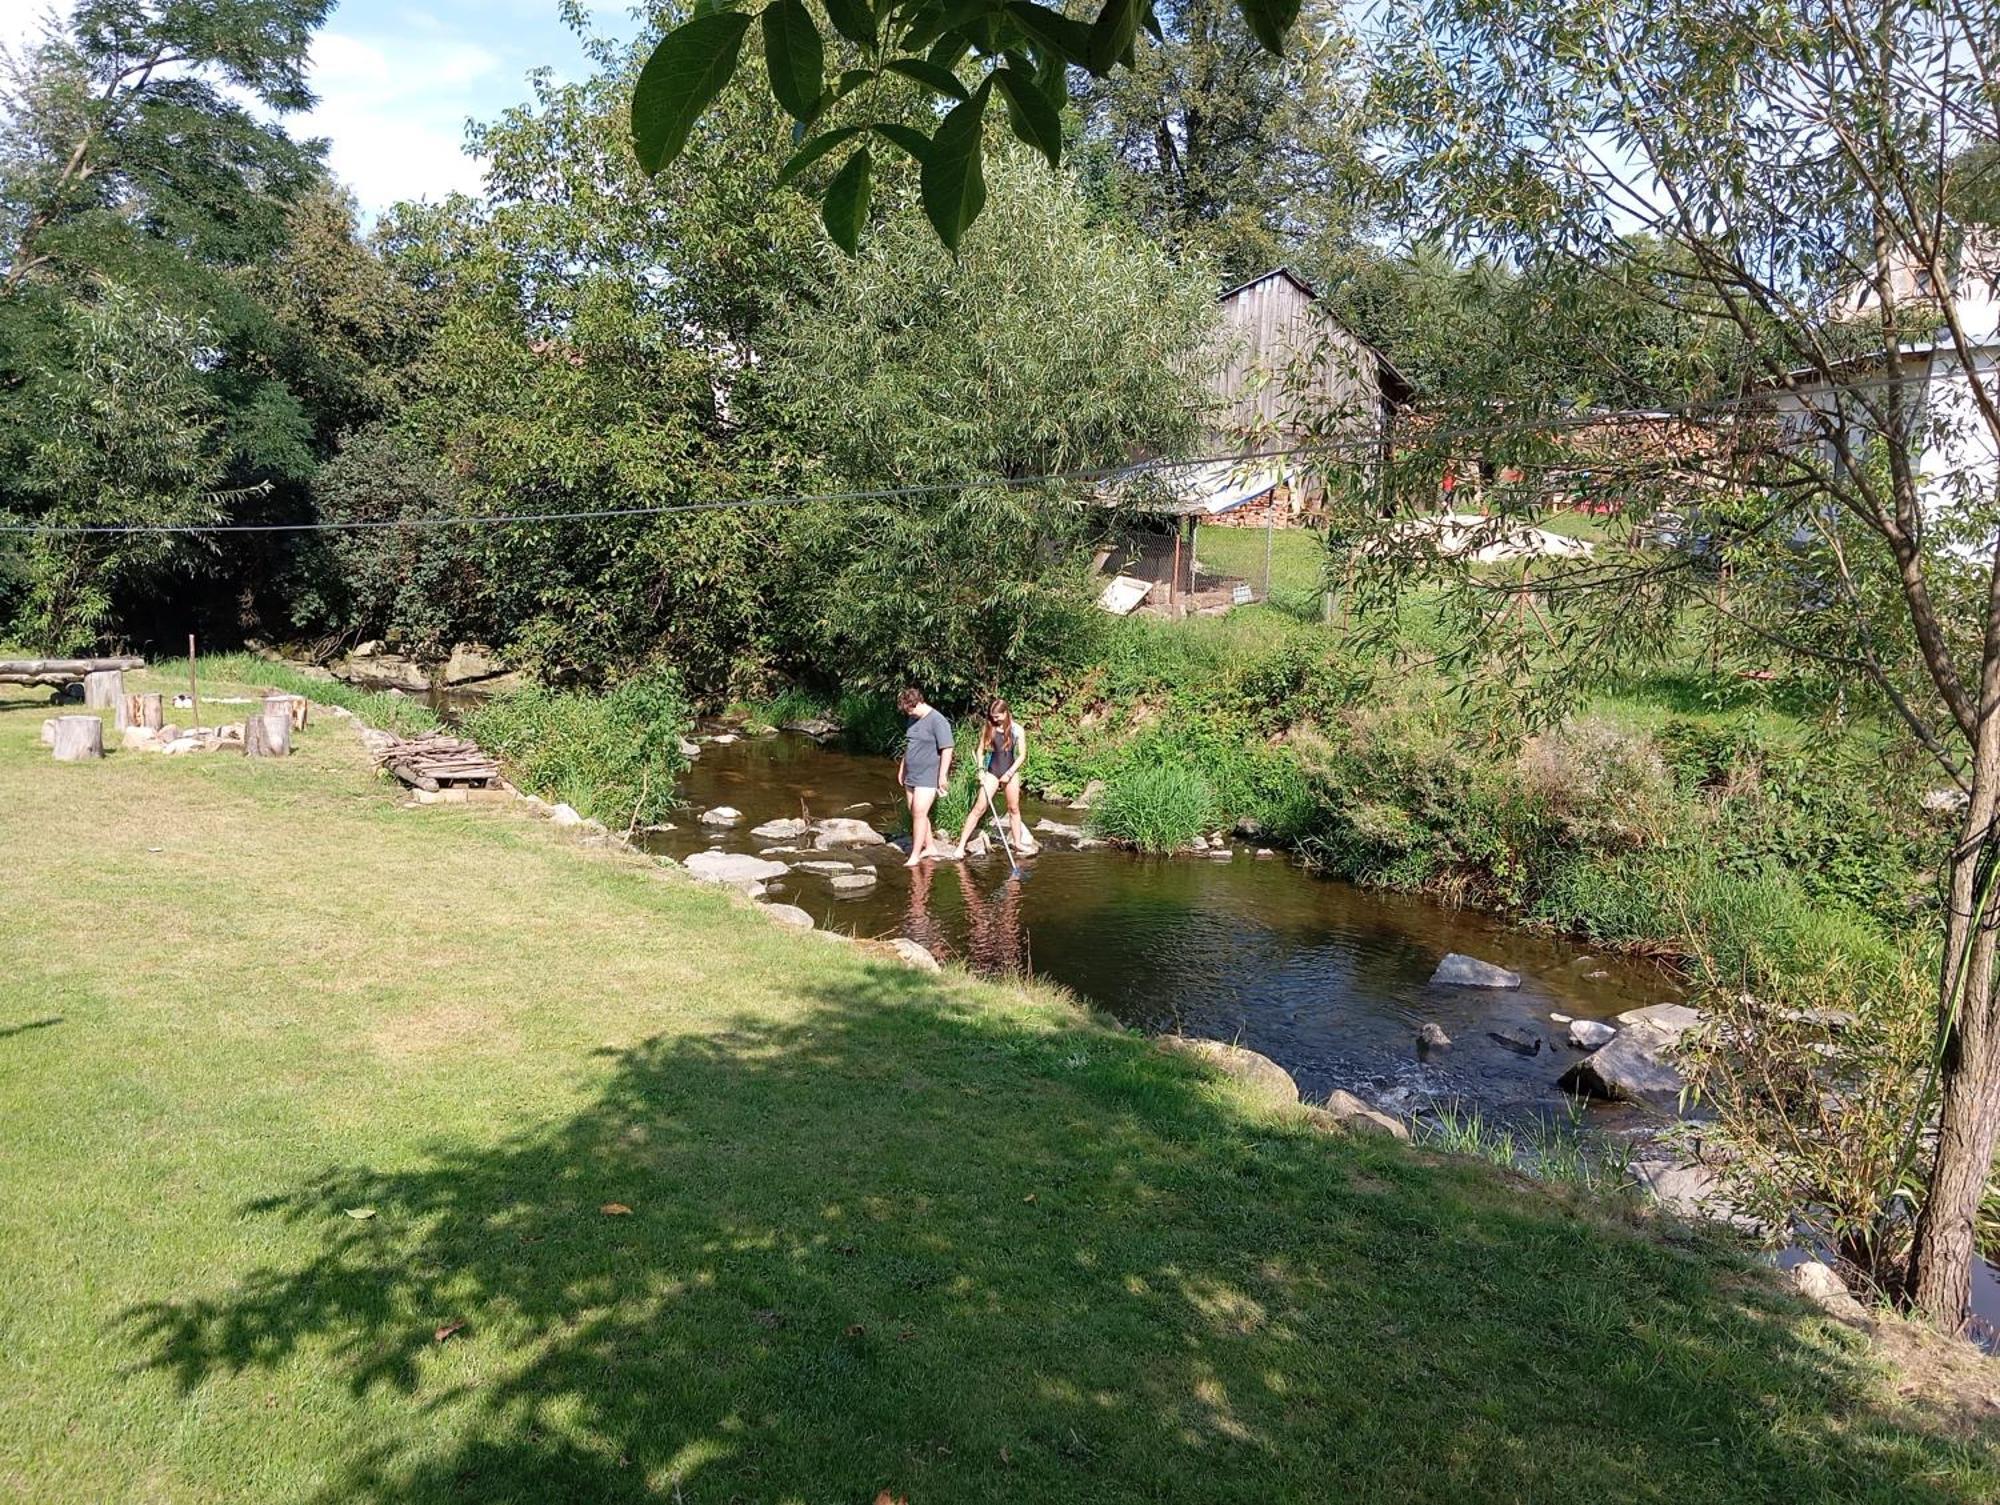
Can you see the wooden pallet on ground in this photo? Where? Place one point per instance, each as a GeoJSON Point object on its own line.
{"type": "Point", "coordinates": [438, 760]}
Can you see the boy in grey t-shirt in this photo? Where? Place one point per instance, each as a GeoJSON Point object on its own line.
{"type": "Point", "coordinates": [924, 770]}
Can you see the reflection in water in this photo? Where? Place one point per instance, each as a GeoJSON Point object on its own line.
{"type": "Point", "coordinates": [996, 936]}
{"type": "Point", "coordinates": [1329, 980]}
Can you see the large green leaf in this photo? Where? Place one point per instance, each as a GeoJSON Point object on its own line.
{"type": "Point", "coordinates": [908, 137]}
{"type": "Point", "coordinates": [1270, 20]}
{"type": "Point", "coordinates": [954, 185]}
{"type": "Point", "coordinates": [845, 207]}
{"type": "Point", "coordinates": [853, 20]}
{"type": "Point", "coordinates": [1111, 34]}
{"type": "Point", "coordinates": [816, 148]}
{"type": "Point", "coordinates": [794, 54]}
{"type": "Point", "coordinates": [1053, 30]}
{"type": "Point", "coordinates": [684, 74]}
{"type": "Point", "coordinates": [1032, 113]}
{"type": "Point", "coordinates": [930, 75]}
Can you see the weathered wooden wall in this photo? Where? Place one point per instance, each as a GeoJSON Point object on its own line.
{"type": "Point", "coordinates": [1284, 358]}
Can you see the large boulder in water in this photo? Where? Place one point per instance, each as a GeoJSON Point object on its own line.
{"type": "Point", "coordinates": [1636, 1067]}
{"type": "Point", "coordinates": [733, 868]}
{"type": "Point", "coordinates": [1267, 1080]}
{"type": "Point", "coordinates": [840, 831]}
{"type": "Point", "coordinates": [1350, 1112]}
{"type": "Point", "coordinates": [1460, 971]}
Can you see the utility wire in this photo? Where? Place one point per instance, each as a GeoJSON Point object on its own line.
{"type": "Point", "coordinates": [1367, 448]}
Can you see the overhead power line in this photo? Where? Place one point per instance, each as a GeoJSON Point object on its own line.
{"type": "Point", "coordinates": [1365, 448]}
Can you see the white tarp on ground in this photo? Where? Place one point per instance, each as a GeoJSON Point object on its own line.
{"type": "Point", "coordinates": [1487, 540]}
{"type": "Point", "coordinates": [1123, 595]}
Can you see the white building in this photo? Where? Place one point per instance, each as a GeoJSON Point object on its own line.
{"type": "Point", "coordinates": [1934, 384]}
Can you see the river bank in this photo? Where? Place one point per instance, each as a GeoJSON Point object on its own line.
{"type": "Point", "coordinates": [401, 1153]}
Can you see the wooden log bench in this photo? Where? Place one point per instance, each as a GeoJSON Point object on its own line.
{"type": "Point", "coordinates": [60, 673]}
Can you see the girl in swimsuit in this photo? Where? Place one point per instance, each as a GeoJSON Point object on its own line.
{"type": "Point", "coordinates": [1003, 752]}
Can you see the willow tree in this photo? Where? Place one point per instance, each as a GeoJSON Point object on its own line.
{"type": "Point", "coordinates": [1799, 170]}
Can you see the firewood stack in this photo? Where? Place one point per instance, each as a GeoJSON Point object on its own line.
{"type": "Point", "coordinates": [438, 759]}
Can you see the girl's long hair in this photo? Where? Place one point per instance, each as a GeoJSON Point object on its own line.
{"type": "Point", "coordinates": [997, 707]}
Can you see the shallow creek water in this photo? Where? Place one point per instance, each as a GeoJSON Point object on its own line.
{"type": "Point", "coordinates": [1330, 980]}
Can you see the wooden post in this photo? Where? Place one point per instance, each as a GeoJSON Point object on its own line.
{"type": "Point", "coordinates": [102, 689]}
{"type": "Point", "coordinates": [79, 738]}
{"type": "Point", "coordinates": [1270, 529]}
{"type": "Point", "coordinates": [1174, 580]}
{"type": "Point", "coordinates": [152, 710]}
{"type": "Point", "coordinates": [194, 694]}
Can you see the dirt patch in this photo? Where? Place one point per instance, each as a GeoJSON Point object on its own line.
{"type": "Point", "coordinates": [1955, 1385]}
{"type": "Point", "coordinates": [447, 1028]}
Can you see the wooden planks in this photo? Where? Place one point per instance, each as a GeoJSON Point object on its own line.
{"type": "Point", "coordinates": [438, 759]}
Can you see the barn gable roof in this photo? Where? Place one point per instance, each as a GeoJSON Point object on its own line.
{"type": "Point", "coordinates": [1397, 386]}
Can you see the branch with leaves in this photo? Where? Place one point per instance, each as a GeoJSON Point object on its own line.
{"type": "Point", "coordinates": [959, 53]}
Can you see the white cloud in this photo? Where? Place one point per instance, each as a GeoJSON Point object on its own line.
{"type": "Point", "coordinates": [394, 113]}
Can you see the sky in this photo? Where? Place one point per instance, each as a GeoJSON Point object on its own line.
{"type": "Point", "coordinates": [398, 81]}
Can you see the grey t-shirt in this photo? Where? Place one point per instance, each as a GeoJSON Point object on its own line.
{"type": "Point", "coordinates": [923, 750]}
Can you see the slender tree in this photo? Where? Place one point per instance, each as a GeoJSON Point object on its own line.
{"type": "Point", "coordinates": [1796, 165]}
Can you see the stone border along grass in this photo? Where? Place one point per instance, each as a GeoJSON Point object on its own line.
{"type": "Point", "coordinates": [1669, 1188]}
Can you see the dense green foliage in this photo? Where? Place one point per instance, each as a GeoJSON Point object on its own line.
{"type": "Point", "coordinates": [168, 350]}
{"type": "Point", "coordinates": [613, 757]}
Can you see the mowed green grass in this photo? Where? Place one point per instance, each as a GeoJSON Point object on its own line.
{"type": "Point", "coordinates": [294, 1080]}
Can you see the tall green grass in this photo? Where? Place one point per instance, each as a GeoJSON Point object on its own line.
{"type": "Point", "coordinates": [1156, 808]}
{"type": "Point", "coordinates": [400, 714]}
{"type": "Point", "coordinates": [615, 757]}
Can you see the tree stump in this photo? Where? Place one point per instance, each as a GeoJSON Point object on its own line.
{"type": "Point", "coordinates": [294, 707]}
{"type": "Point", "coordinates": [268, 734]}
{"type": "Point", "coordinates": [103, 688]}
{"type": "Point", "coordinates": [79, 738]}
{"type": "Point", "coordinates": [152, 710]}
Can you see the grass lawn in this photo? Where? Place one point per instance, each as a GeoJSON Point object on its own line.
{"type": "Point", "coordinates": [1298, 556]}
{"type": "Point", "coordinates": [295, 1081]}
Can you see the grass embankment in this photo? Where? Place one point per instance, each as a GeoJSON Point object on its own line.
{"type": "Point", "coordinates": [297, 1080]}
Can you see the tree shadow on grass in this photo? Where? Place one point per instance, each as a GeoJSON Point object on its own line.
{"type": "Point", "coordinates": [908, 1245]}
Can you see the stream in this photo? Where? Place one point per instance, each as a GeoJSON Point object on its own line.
{"type": "Point", "coordinates": [1329, 980]}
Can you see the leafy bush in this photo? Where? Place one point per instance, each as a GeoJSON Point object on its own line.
{"type": "Point", "coordinates": [1156, 808]}
{"type": "Point", "coordinates": [870, 723]}
{"type": "Point", "coordinates": [615, 757]}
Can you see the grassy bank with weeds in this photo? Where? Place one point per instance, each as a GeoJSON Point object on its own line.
{"type": "Point", "coordinates": [392, 713]}
{"type": "Point", "coordinates": [359, 1151]}
{"type": "Point", "coordinates": [614, 756]}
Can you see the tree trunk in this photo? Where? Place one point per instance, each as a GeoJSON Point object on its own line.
{"type": "Point", "coordinates": [79, 738]}
{"type": "Point", "coordinates": [152, 710]}
{"type": "Point", "coordinates": [102, 689]}
{"type": "Point", "coordinates": [1969, 1116]}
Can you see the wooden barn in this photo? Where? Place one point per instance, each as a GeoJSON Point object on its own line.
{"type": "Point", "coordinates": [1287, 376]}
